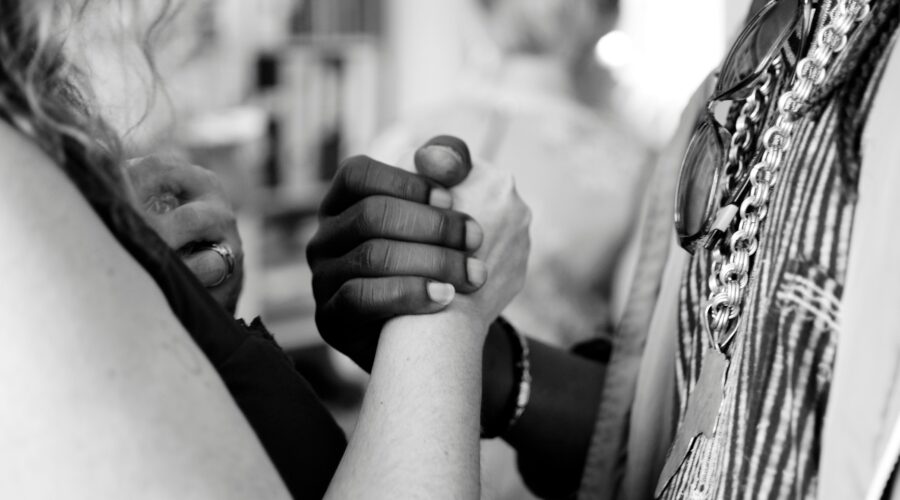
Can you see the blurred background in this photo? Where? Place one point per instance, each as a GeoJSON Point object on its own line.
{"type": "Point", "coordinates": [574, 96]}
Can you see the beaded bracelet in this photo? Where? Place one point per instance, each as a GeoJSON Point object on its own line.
{"type": "Point", "coordinates": [523, 369]}
{"type": "Point", "coordinates": [518, 400]}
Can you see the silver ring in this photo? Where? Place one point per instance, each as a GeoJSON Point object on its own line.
{"type": "Point", "coordinates": [227, 255]}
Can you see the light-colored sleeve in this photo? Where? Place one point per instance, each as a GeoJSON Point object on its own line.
{"type": "Point", "coordinates": [647, 305]}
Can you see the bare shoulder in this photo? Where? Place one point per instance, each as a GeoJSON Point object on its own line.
{"type": "Point", "coordinates": [56, 251]}
{"type": "Point", "coordinates": [105, 395]}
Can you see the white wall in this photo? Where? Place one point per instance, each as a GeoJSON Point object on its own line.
{"type": "Point", "coordinates": [424, 52]}
{"type": "Point", "coordinates": [677, 43]}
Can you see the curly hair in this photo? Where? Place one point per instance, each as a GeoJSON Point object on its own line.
{"type": "Point", "coordinates": [43, 93]}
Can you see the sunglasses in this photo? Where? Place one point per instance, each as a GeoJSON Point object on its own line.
{"type": "Point", "coordinates": [712, 181]}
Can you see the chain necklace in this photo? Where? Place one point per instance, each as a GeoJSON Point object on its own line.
{"type": "Point", "coordinates": [732, 257]}
{"type": "Point", "coordinates": [730, 276]}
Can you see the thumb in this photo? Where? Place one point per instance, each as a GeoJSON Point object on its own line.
{"type": "Point", "coordinates": [445, 160]}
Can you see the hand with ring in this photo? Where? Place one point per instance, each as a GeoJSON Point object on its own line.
{"type": "Point", "coordinates": [187, 206]}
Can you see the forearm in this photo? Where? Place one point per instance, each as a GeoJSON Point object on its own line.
{"type": "Point", "coordinates": [418, 428]}
{"type": "Point", "coordinates": [553, 434]}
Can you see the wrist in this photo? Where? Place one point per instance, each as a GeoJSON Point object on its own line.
{"type": "Point", "coordinates": [465, 317]}
{"type": "Point", "coordinates": [451, 333]}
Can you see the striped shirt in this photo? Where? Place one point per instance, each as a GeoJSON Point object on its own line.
{"type": "Point", "coordinates": [767, 439]}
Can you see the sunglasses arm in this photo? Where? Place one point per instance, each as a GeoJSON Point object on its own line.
{"type": "Point", "coordinates": [720, 225]}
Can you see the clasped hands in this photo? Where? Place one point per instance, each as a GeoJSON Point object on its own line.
{"type": "Point", "coordinates": [392, 243]}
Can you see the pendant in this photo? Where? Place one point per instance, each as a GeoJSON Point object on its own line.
{"type": "Point", "coordinates": [700, 414]}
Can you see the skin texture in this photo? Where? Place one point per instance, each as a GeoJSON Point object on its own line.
{"type": "Point", "coordinates": [435, 361]}
{"type": "Point", "coordinates": [386, 239]}
{"type": "Point", "coordinates": [187, 206]}
{"type": "Point", "coordinates": [553, 434]}
{"type": "Point", "coordinates": [153, 407]}
{"type": "Point", "coordinates": [107, 396]}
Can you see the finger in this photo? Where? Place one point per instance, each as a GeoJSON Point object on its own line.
{"type": "Point", "coordinates": [395, 219]}
{"type": "Point", "coordinates": [361, 305]}
{"type": "Point", "coordinates": [208, 266]}
{"type": "Point", "coordinates": [445, 160]}
{"type": "Point", "coordinates": [361, 176]}
{"type": "Point", "coordinates": [372, 299]}
{"type": "Point", "coordinates": [196, 222]}
{"type": "Point", "coordinates": [384, 258]}
{"type": "Point", "coordinates": [154, 176]}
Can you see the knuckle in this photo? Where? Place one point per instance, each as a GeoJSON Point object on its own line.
{"type": "Point", "coordinates": [350, 295]}
{"type": "Point", "coordinates": [190, 218]}
{"type": "Point", "coordinates": [374, 215]}
{"type": "Point", "coordinates": [360, 219]}
{"type": "Point", "coordinates": [373, 256]}
{"type": "Point", "coordinates": [394, 291]}
{"type": "Point", "coordinates": [355, 172]}
{"type": "Point", "coordinates": [407, 186]}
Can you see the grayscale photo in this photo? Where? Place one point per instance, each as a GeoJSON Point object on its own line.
{"type": "Point", "coordinates": [449, 249]}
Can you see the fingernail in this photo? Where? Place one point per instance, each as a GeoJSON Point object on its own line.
{"type": "Point", "coordinates": [441, 293]}
{"type": "Point", "coordinates": [443, 156]}
{"type": "Point", "coordinates": [440, 198]}
{"type": "Point", "coordinates": [474, 235]}
{"type": "Point", "coordinates": [442, 162]}
{"type": "Point", "coordinates": [477, 272]}
{"type": "Point", "coordinates": [456, 145]}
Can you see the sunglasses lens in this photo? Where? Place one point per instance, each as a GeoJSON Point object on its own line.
{"type": "Point", "coordinates": [697, 182]}
{"type": "Point", "coordinates": [757, 45]}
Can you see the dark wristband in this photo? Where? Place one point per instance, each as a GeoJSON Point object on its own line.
{"type": "Point", "coordinates": [517, 398]}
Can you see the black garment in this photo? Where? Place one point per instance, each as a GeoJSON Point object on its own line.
{"type": "Point", "coordinates": [297, 432]}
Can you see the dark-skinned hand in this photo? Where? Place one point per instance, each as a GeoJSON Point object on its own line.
{"type": "Point", "coordinates": [389, 244]}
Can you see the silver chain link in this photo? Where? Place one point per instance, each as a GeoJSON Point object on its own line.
{"type": "Point", "coordinates": [730, 276]}
{"type": "Point", "coordinates": [743, 139]}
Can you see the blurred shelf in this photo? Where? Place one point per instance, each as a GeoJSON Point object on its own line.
{"type": "Point", "coordinates": [333, 41]}
{"type": "Point", "coordinates": [288, 305]}
{"type": "Point", "coordinates": [294, 332]}
{"type": "Point", "coordinates": [297, 201]}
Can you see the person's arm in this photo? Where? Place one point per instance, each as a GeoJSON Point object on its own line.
{"type": "Point", "coordinates": [418, 431]}
{"type": "Point", "coordinates": [104, 393]}
{"type": "Point", "coordinates": [566, 388]}
{"type": "Point", "coordinates": [552, 436]}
